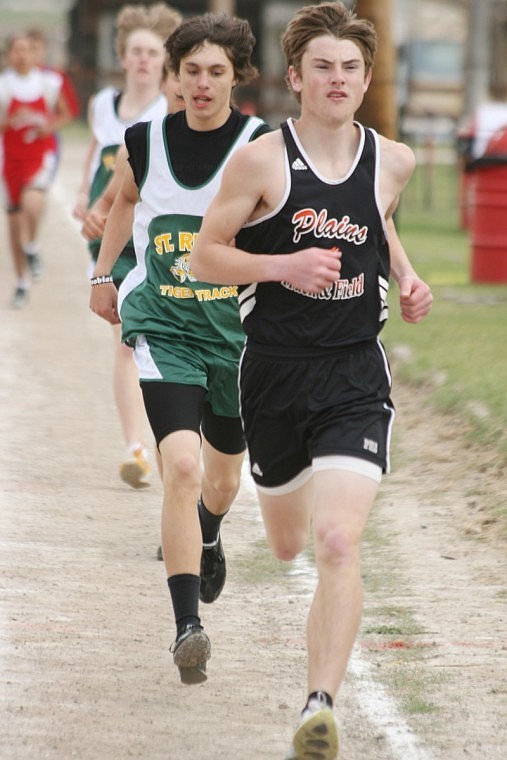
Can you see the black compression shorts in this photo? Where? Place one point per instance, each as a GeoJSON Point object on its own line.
{"type": "Point", "coordinates": [176, 406]}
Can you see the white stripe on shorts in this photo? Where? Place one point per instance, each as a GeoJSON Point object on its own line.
{"type": "Point", "coordinates": [300, 479]}
{"type": "Point", "coordinates": [351, 464]}
{"type": "Point", "coordinates": [44, 176]}
{"type": "Point", "coordinates": [146, 367]}
{"type": "Point", "coordinates": [319, 464]}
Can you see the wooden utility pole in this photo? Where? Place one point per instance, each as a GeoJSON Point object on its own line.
{"type": "Point", "coordinates": [380, 109]}
{"type": "Point", "coordinates": [477, 56]}
{"type": "Point", "coordinates": [222, 5]}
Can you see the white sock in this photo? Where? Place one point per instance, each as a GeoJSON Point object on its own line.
{"type": "Point", "coordinates": [135, 447]}
{"type": "Point", "coordinates": [31, 248]}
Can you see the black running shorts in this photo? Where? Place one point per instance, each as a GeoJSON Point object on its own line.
{"type": "Point", "coordinates": [295, 409]}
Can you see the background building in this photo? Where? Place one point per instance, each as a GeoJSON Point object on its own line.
{"type": "Point", "coordinates": [448, 56]}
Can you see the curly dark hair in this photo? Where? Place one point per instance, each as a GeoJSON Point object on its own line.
{"type": "Point", "coordinates": [233, 34]}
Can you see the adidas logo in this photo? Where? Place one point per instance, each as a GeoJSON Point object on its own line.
{"type": "Point", "coordinates": [257, 470]}
{"type": "Point", "coordinates": [298, 165]}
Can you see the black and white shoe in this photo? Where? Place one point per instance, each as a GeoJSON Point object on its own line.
{"type": "Point", "coordinates": [35, 265]}
{"type": "Point", "coordinates": [20, 298]}
{"type": "Point", "coordinates": [213, 571]}
{"type": "Point", "coordinates": [190, 651]}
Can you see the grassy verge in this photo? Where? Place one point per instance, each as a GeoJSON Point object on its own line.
{"type": "Point", "coordinates": [460, 351]}
{"type": "Point", "coordinates": [457, 358]}
{"type": "Point", "coordinates": [396, 642]}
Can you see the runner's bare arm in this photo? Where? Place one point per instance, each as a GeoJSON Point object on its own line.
{"type": "Point", "coordinates": [83, 192]}
{"type": "Point", "coordinates": [396, 167]}
{"type": "Point", "coordinates": [117, 232]}
{"type": "Point", "coordinates": [415, 295]}
{"type": "Point", "coordinates": [60, 117]}
{"type": "Point", "coordinates": [213, 259]}
{"type": "Point", "coordinates": [95, 219]}
{"type": "Point", "coordinates": [81, 204]}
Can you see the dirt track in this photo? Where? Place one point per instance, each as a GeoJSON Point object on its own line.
{"type": "Point", "coordinates": [84, 608]}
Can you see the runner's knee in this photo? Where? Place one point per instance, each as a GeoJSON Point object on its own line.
{"type": "Point", "coordinates": [335, 546]}
{"type": "Point", "coordinates": [287, 546]}
{"type": "Point", "coordinates": [184, 467]}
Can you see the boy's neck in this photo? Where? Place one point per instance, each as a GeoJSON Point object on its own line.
{"type": "Point", "coordinates": [207, 124]}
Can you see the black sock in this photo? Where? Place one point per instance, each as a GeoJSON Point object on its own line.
{"type": "Point", "coordinates": [321, 696]}
{"type": "Point", "coordinates": [184, 590]}
{"type": "Point", "coordinates": [210, 523]}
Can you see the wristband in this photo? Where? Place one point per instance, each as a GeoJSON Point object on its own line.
{"type": "Point", "coordinates": [101, 279]}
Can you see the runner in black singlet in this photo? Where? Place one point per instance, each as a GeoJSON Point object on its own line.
{"type": "Point", "coordinates": [315, 245]}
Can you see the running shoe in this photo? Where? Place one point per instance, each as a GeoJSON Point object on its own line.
{"type": "Point", "coordinates": [20, 298]}
{"type": "Point", "coordinates": [136, 469]}
{"type": "Point", "coordinates": [190, 652]}
{"type": "Point", "coordinates": [316, 734]}
{"type": "Point", "coordinates": [34, 265]}
{"type": "Point", "coordinates": [213, 571]}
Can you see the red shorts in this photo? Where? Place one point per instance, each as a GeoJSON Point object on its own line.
{"type": "Point", "coordinates": [35, 172]}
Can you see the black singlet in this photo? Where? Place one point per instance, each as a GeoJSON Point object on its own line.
{"type": "Point", "coordinates": [316, 211]}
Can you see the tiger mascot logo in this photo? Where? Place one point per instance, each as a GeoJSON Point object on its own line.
{"type": "Point", "coordinates": [180, 270]}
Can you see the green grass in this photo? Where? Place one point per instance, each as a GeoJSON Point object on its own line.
{"type": "Point", "coordinates": [411, 684]}
{"type": "Point", "coordinates": [460, 350]}
{"type": "Point", "coordinates": [391, 631]}
{"type": "Point", "coordinates": [390, 620]}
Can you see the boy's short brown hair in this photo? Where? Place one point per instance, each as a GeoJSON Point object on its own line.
{"type": "Point", "coordinates": [327, 18]}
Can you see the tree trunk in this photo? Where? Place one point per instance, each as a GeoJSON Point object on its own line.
{"type": "Point", "coordinates": [222, 5]}
{"type": "Point", "coordinates": [380, 109]}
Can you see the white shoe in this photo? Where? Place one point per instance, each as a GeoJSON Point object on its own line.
{"type": "Point", "coordinates": [316, 734]}
{"type": "Point", "coordinates": [136, 469]}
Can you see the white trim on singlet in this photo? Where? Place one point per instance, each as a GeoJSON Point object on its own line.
{"type": "Point", "coordinates": [246, 300]}
{"type": "Point", "coordinates": [383, 286]}
{"type": "Point", "coordinates": [321, 177]}
{"type": "Point", "coordinates": [377, 183]}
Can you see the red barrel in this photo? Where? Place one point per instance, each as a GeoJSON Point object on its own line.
{"type": "Point", "coordinates": [489, 218]}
